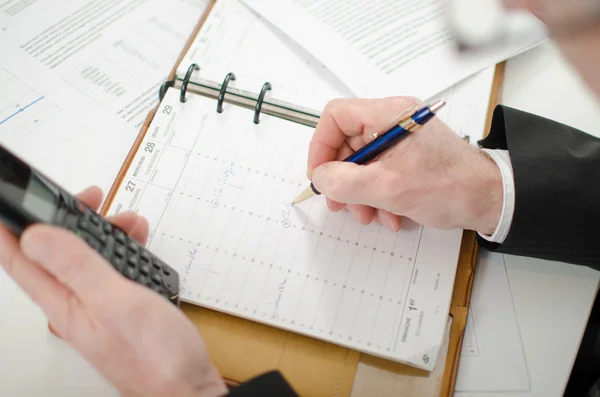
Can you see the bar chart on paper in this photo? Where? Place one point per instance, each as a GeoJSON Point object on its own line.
{"type": "Point", "coordinates": [217, 192]}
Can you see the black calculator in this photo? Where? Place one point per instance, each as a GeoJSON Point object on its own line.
{"type": "Point", "coordinates": [28, 197]}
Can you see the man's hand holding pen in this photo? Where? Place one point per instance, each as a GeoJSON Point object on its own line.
{"type": "Point", "coordinates": [408, 179]}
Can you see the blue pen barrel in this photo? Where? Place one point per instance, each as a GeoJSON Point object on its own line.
{"type": "Point", "coordinates": [423, 116]}
{"type": "Point", "coordinates": [372, 150]}
{"type": "Point", "coordinates": [368, 152]}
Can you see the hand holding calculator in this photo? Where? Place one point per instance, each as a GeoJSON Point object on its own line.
{"type": "Point", "coordinates": [28, 197]}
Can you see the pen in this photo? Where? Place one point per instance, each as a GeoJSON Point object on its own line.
{"type": "Point", "coordinates": [410, 121]}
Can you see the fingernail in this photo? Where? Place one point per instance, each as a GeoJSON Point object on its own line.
{"type": "Point", "coordinates": [389, 225]}
{"type": "Point", "coordinates": [319, 174]}
{"type": "Point", "coordinates": [392, 225]}
{"type": "Point", "coordinates": [136, 225]}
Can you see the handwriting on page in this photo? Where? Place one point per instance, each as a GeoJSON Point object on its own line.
{"type": "Point", "coordinates": [286, 214]}
{"type": "Point", "coordinates": [276, 303]}
{"type": "Point", "coordinates": [222, 183]}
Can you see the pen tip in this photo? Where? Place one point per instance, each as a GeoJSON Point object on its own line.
{"type": "Point", "coordinates": [305, 195]}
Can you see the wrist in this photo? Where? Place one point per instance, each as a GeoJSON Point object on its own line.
{"type": "Point", "coordinates": [201, 385]}
{"type": "Point", "coordinates": [485, 194]}
{"type": "Point", "coordinates": [211, 386]}
{"type": "Point", "coordinates": [213, 390]}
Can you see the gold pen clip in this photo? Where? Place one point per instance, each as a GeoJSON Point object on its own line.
{"type": "Point", "coordinates": [407, 122]}
{"type": "Point", "coordinates": [404, 118]}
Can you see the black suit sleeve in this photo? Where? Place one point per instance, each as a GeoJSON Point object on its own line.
{"type": "Point", "coordinates": [557, 188]}
{"type": "Point", "coordinates": [266, 385]}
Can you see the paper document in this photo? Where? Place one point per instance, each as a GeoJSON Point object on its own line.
{"type": "Point", "coordinates": [217, 191]}
{"type": "Point", "coordinates": [235, 39]}
{"type": "Point", "coordinates": [78, 79]}
{"type": "Point", "coordinates": [62, 146]}
{"type": "Point", "coordinates": [7, 292]}
{"type": "Point", "coordinates": [387, 48]}
{"type": "Point", "coordinates": [97, 58]}
{"type": "Point", "coordinates": [492, 359]}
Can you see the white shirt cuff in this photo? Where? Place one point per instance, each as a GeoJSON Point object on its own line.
{"type": "Point", "coordinates": [502, 160]}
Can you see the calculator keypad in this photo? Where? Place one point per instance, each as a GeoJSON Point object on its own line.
{"type": "Point", "coordinates": [125, 254]}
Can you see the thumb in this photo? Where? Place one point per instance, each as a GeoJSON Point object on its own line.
{"type": "Point", "coordinates": [70, 260]}
{"type": "Point", "coordinates": [348, 183]}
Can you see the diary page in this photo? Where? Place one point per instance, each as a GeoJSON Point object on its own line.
{"type": "Point", "coordinates": [217, 191]}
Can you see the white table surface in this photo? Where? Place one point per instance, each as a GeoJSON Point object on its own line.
{"type": "Point", "coordinates": [552, 300]}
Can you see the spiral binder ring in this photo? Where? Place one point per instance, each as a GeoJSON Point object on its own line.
{"type": "Point", "coordinates": [164, 87]}
{"type": "Point", "coordinates": [186, 80]}
{"type": "Point", "coordinates": [230, 76]}
{"type": "Point", "coordinates": [266, 87]}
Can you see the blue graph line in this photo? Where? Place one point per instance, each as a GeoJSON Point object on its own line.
{"type": "Point", "coordinates": [21, 110]}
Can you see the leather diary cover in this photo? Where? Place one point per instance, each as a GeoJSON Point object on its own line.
{"type": "Point", "coordinates": [242, 349]}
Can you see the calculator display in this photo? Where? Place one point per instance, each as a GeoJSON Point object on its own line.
{"type": "Point", "coordinates": [14, 178]}
{"type": "Point", "coordinates": [40, 200]}
{"type": "Point", "coordinates": [23, 188]}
